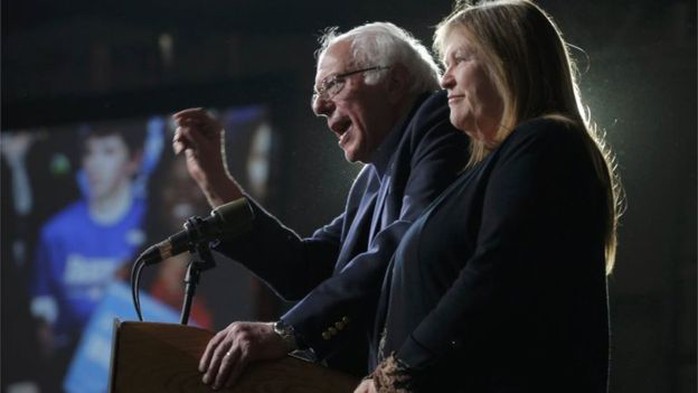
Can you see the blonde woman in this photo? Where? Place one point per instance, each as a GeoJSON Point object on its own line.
{"type": "Point", "coordinates": [500, 286]}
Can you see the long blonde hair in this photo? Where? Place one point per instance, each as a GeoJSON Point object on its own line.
{"type": "Point", "coordinates": [529, 62]}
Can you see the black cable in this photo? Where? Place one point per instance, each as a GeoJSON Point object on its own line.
{"type": "Point", "coordinates": [135, 285]}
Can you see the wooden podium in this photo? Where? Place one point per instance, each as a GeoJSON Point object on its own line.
{"type": "Point", "coordinates": [161, 357]}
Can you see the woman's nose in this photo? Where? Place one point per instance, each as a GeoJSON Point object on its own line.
{"type": "Point", "coordinates": [446, 80]}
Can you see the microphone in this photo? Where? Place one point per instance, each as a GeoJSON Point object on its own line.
{"type": "Point", "coordinates": [225, 221]}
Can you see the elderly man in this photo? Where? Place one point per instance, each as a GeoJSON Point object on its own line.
{"type": "Point", "coordinates": [375, 85]}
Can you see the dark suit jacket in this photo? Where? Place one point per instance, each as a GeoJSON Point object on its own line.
{"type": "Point", "coordinates": [500, 285]}
{"type": "Point", "coordinates": [338, 271]}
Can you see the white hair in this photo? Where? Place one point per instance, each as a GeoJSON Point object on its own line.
{"type": "Point", "coordinates": [384, 44]}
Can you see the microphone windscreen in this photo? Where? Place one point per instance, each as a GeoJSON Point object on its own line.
{"type": "Point", "coordinates": [234, 217]}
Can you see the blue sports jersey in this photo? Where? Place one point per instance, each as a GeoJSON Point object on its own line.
{"type": "Point", "coordinates": [76, 259]}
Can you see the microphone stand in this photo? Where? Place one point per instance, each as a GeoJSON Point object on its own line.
{"type": "Point", "coordinates": [202, 260]}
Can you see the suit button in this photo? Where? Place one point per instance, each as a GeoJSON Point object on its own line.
{"type": "Point", "coordinates": [326, 335]}
{"type": "Point", "coordinates": [339, 325]}
{"type": "Point", "coordinates": [332, 331]}
{"type": "Point", "coordinates": [345, 320]}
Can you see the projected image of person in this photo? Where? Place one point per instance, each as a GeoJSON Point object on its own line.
{"type": "Point", "coordinates": [500, 286]}
{"type": "Point", "coordinates": [82, 248]}
{"type": "Point", "coordinates": [376, 86]}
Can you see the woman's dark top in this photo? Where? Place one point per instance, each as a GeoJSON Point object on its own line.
{"type": "Point", "coordinates": [500, 285]}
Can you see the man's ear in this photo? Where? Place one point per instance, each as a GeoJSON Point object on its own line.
{"type": "Point", "coordinates": [398, 83]}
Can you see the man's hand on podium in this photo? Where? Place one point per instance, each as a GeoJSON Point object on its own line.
{"type": "Point", "coordinates": [229, 351]}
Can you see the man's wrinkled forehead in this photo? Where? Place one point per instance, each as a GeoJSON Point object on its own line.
{"type": "Point", "coordinates": [336, 59]}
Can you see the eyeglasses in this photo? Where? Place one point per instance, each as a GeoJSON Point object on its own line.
{"type": "Point", "coordinates": [331, 86]}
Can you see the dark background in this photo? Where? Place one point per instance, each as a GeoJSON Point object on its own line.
{"type": "Point", "coordinates": [93, 60]}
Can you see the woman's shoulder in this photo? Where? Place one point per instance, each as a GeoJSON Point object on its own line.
{"type": "Point", "coordinates": [555, 137]}
{"type": "Point", "coordinates": [550, 126]}
{"type": "Point", "coordinates": [550, 129]}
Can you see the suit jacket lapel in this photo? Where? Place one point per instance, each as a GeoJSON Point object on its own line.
{"type": "Point", "coordinates": [356, 241]}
